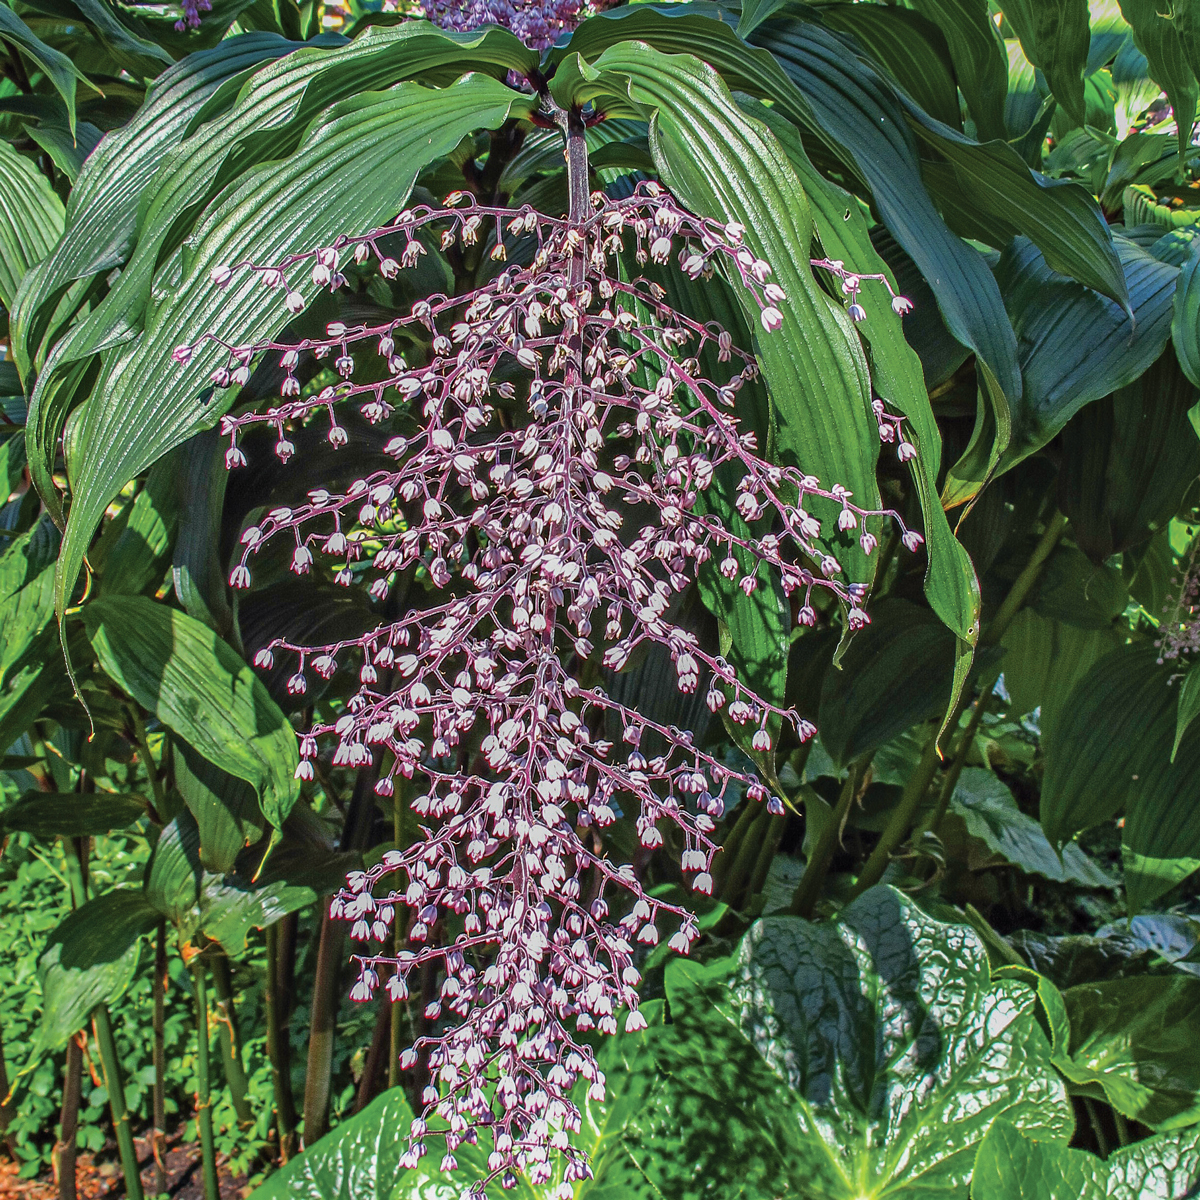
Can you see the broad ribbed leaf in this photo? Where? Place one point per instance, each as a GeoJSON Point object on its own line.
{"type": "Point", "coordinates": [230, 910]}
{"type": "Point", "coordinates": [897, 672]}
{"type": "Point", "coordinates": [72, 814]}
{"type": "Point", "coordinates": [179, 670]}
{"type": "Point", "coordinates": [225, 808]}
{"type": "Point", "coordinates": [172, 883]}
{"type": "Point", "coordinates": [950, 584]}
{"type": "Point", "coordinates": [990, 814]}
{"type": "Point", "coordinates": [58, 68]}
{"type": "Point", "coordinates": [910, 47]}
{"type": "Point", "coordinates": [721, 164]}
{"type": "Point", "coordinates": [1185, 320]}
{"type": "Point", "coordinates": [1127, 461]}
{"type": "Point", "coordinates": [102, 214]}
{"type": "Point", "coordinates": [898, 1047]}
{"type": "Point", "coordinates": [1076, 345]}
{"type": "Point", "coordinates": [1133, 1042]}
{"type": "Point", "coordinates": [90, 959]}
{"type": "Point", "coordinates": [1158, 39]}
{"type": "Point", "coordinates": [380, 141]}
{"type": "Point", "coordinates": [1055, 36]}
{"type": "Point", "coordinates": [861, 113]}
{"type": "Point", "coordinates": [978, 55]}
{"type": "Point", "coordinates": [1189, 705]}
{"type": "Point", "coordinates": [1012, 1166]}
{"type": "Point", "coordinates": [31, 218]}
{"type": "Point", "coordinates": [1060, 218]}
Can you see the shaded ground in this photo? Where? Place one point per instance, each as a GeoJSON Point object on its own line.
{"type": "Point", "coordinates": [98, 1175]}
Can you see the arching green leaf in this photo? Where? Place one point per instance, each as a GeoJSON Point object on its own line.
{"type": "Point", "coordinates": [1056, 38]}
{"type": "Point", "coordinates": [31, 218]}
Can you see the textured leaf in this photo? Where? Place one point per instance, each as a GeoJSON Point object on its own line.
{"type": "Point", "coordinates": [950, 583]}
{"type": "Point", "coordinates": [860, 112]}
{"type": "Point", "coordinates": [31, 218]}
{"type": "Point", "coordinates": [1055, 36]}
{"type": "Point", "coordinates": [102, 213]}
{"type": "Point", "coordinates": [173, 874]}
{"type": "Point", "coordinates": [1157, 38]}
{"type": "Point", "coordinates": [90, 959]}
{"type": "Point", "coordinates": [229, 911]}
{"type": "Point", "coordinates": [912, 49]}
{"type": "Point", "coordinates": [382, 141]}
{"type": "Point", "coordinates": [225, 808]}
{"type": "Point", "coordinates": [979, 60]}
{"type": "Point", "coordinates": [58, 68]}
{"type": "Point", "coordinates": [1133, 1039]}
{"type": "Point", "coordinates": [1011, 1166]}
{"type": "Point", "coordinates": [896, 673]}
{"type": "Point", "coordinates": [179, 670]}
{"type": "Point", "coordinates": [1127, 461]}
{"type": "Point", "coordinates": [991, 814]}
{"type": "Point", "coordinates": [722, 164]}
{"type": "Point", "coordinates": [117, 31]}
{"type": "Point", "coordinates": [1185, 320]}
{"type": "Point", "coordinates": [72, 814]}
{"type": "Point", "coordinates": [1062, 369]}
{"type": "Point", "coordinates": [1043, 661]}
{"type": "Point", "coordinates": [68, 150]}
{"type": "Point", "coordinates": [900, 1050]}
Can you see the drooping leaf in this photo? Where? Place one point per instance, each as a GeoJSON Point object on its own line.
{"type": "Point", "coordinates": [896, 673]}
{"type": "Point", "coordinates": [178, 669]}
{"type": "Point", "coordinates": [31, 218]}
{"type": "Point", "coordinates": [68, 151]}
{"type": "Point", "coordinates": [1063, 371]}
{"type": "Point", "coordinates": [172, 883]}
{"type": "Point", "coordinates": [1013, 1166]}
{"type": "Point", "coordinates": [882, 1023]}
{"type": "Point", "coordinates": [1158, 39]}
{"type": "Point", "coordinates": [198, 572]}
{"type": "Point", "coordinates": [1185, 320]}
{"type": "Point", "coordinates": [225, 808]}
{"type": "Point", "coordinates": [1128, 460]}
{"type": "Point", "coordinates": [302, 201]}
{"type": "Point", "coordinates": [1131, 1043]}
{"type": "Point", "coordinates": [90, 959]}
{"type": "Point", "coordinates": [72, 814]}
{"type": "Point", "coordinates": [58, 68]}
{"type": "Point", "coordinates": [1055, 35]}
{"type": "Point", "coordinates": [990, 813]}
{"type": "Point", "coordinates": [102, 213]}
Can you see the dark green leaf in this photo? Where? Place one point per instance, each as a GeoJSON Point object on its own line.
{"type": "Point", "coordinates": [1062, 369]}
{"type": "Point", "coordinates": [67, 151]}
{"type": "Point", "coordinates": [225, 808]}
{"type": "Point", "coordinates": [58, 68]}
{"type": "Point", "coordinates": [229, 911]}
{"type": "Point", "coordinates": [179, 670]}
{"type": "Point", "coordinates": [72, 814]}
{"type": "Point", "coordinates": [979, 59]}
{"type": "Point", "coordinates": [1127, 461]}
{"type": "Point", "coordinates": [301, 201]}
{"type": "Point", "coordinates": [31, 218]}
{"type": "Point", "coordinates": [1077, 592]}
{"type": "Point", "coordinates": [90, 959]}
{"type": "Point", "coordinates": [199, 573]}
{"type": "Point", "coordinates": [117, 31]}
{"type": "Point", "coordinates": [173, 874]}
{"type": "Point", "coordinates": [1133, 1039]}
{"type": "Point", "coordinates": [896, 673]}
{"type": "Point", "coordinates": [1185, 321]}
{"type": "Point", "coordinates": [1157, 38]}
{"type": "Point", "coordinates": [1055, 35]}
{"type": "Point", "coordinates": [991, 814]}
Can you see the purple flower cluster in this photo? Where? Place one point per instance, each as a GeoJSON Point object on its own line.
{"type": "Point", "coordinates": [191, 14]}
{"type": "Point", "coordinates": [538, 23]}
{"type": "Point", "coordinates": [559, 487]}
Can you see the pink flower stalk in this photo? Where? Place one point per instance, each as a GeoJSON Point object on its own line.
{"type": "Point", "coordinates": [562, 484]}
{"type": "Point", "coordinates": [1179, 629]}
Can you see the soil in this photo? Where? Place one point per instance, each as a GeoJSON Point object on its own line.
{"type": "Point", "coordinates": [99, 1175]}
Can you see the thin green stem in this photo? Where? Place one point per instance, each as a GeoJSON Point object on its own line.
{"type": "Point", "coordinates": [114, 1084]}
{"type": "Point", "coordinates": [1094, 1118]}
{"type": "Point", "coordinates": [950, 782]}
{"type": "Point", "coordinates": [229, 1036]}
{"type": "Point", "coordinates": [158, 1137]}
{"type": "Point", "coordinates": [1123, 1134]}
{"type": "Point", "coordinates": [770, 847]}
{"type": "Point", "coordinates": [204, 1119]}
{"type": "Point", "coordinates": [747, 854]}
{"type": "Point", "coordinates": [808, 891]}
{"type": "Point", "coordinates": [143, 742]}
{"type": "Point", "coordinates": [915, 790]}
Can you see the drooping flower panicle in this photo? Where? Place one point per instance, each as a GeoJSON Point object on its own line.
{"type": "Point", "coordinates": [561, 482]}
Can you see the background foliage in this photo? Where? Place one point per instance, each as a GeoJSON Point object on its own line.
{"type": "Point", "coordinates": [981, 895]}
